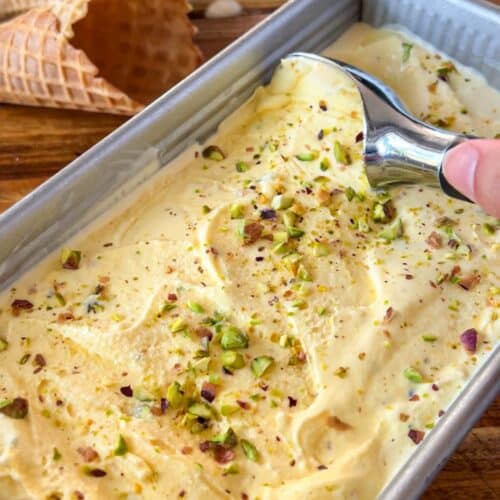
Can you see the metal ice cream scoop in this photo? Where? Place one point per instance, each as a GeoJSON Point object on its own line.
{"type": "Point", "coordinates": [398, 148]}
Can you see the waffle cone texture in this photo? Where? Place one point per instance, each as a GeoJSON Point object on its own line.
{"type": "Point", "coordinates": [110, 56]}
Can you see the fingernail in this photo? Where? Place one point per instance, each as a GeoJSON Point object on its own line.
{"type": "Point", "coordinates": [460, 168]}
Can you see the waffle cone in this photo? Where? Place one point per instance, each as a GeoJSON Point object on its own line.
{"type": "Point", "coordinates": [141, 47]}
{"type": "Point", "coordinates": [67, 11]}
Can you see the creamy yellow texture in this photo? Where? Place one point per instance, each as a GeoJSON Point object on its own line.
{"type": "Point", "coordinates": [359, 298]}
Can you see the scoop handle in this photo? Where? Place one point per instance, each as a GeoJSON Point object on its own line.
{"type": "Point", "coordinates": [413, 153]}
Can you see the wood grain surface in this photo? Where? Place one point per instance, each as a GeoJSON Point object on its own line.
{"type": "Point", "coordinates": [36, 143]}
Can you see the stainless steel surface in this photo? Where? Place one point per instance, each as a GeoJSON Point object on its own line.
{"type": "Point", "coordinates": [398, 148]}
{"type": "Point", "coordinates": [107, 173]}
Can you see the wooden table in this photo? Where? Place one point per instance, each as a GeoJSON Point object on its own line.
{"type": "Point", "coordinates": [36, 143]}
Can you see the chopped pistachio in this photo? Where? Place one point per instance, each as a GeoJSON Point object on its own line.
{"type": "Point", "coordinates": [242, 166]}
{"type": "Point", "coordinates": [232, 360]}
{"type": "Point", "coordinates": [289, 218]}
{"type": "Point", "coordinates": [448, 67]}
{"type": "Point", "coordinates": [201, 410]}
{"type": "Point", "coordinates": [227, 410]}
{"type": "Point", "coordinates": [282, 202]}
{"type": "Point", "coordinates": [14, 408]}
{"type": "Point", "coordinates": [413, 375]}
{"type": "Point", "coordinates": [308, 156]}
{"type": "Point", "coordinates": [3, 345]}
{"type": "Point", "coordinates": [237, 211]}
{"type": "Point", "coordinates": [281, 248]}
{"type": "Point", "coordinates": [227, 438]}
{"type": "Point", "coordinates": [24, 359]}
{"type": "Point", "coordinates": [392, 231]}
{"type": "Point", "coordinates": [325, 164]}
{"type": "Point", "coordinates": [249, 450]}
{"type": "Point", "coordinates": [195, 307]}
{"type": "Point", "coordinates": [406, 50]}
{"type": "Point", "coordinates": [291, 261]}
{"type": "Point", "coordinates": [142, 394]}
{"type": "Point", "coordinates": [205, 209]}
{"type": "Point", "coordinates": [213, 378]}
{"type": "Point", "coordinates": [280, 237]}
{"type": "Point", "coordinates": [175, 395]}
{"type": "Point", "coordinates": [322, 179]}
{"type": "Point", "coordinates": [179, 325]}
{"type": "Point", "coordinates": [56, 455]}
{"type": "Point", "coordinates": [379, 214]}
{"type": "Point", "coordinates": [489, 229]}
{"type": "Point", "coordinates": [341, 154]}
{"type": "Point", "coordinates": [213, 153]}
{"type": "Point", "coordinates": [362, 224]}
{"type": "Point", "coordinates": [70, 259]}
{"type": "Point", "coordinates": [121, 447]}
{"type": "Point", "coordinates": [429, 338]}
{"type": "Point", "coordinates": [350, 193]}
{"type": "Point", "coordinates": [165, 307]}
{"type": "Point", "coordinates": [341, 372]}
{"type": "Point", "coordinates": [233, 338]}
{"type": "Point", "coordinates": [303, 274]}
{"type": "Point", "coordinates": [261, 365]}
{"type": "Point", "coordinates": [320, 249]}
{"type": "Point", "coordinates": [295, 232]}
{"type": "Point", "coordinates": [5, 402]}
{"type": "Point", "coordinates": [142, 411]}
{"type": "Point", "coordinates": [231, 469]}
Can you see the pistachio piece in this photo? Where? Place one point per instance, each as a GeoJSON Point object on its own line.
{"type": "Point", "coordinates": [289, 218]}
{"type": "Point", "coordinates": [413, 375]}
{"type": "Point", "coordinates": [227, 438]}
{"type": "Point", "coordinates": [325, 164]}
{"type": "Point", "coordinates": [249, 450]}
{"type": "Point", "coordinates": [213, 153]}
{"type": "Point", "coordinates": [178, 325]}
{"type": "Point", "coordinates": [320, 249]}
{"type": "Point", "coordinates": [14, 408]}
{"type": "Point", "coordinates": [242, 166]}
{"type": "Point", "coordinates": [233, 338]}
{"type": "Point", "coordinates": [303, 274]}
{"type": "Point", "coordinates": [308, 156]}
{"type": "Point", "coordinates": [282, 202]}
{"type": "Point", "coordinates": [142, 394]}
{"type": "Point", "coordinates": [232, 360]}
{"type": "Point", "coordinates": [201, 410]}
{"type": "Point", "coordinates": [70, 259]}
{"type": "Point", "coordinates": [121, 447]}
{"type": "Point", "coordinates": [195, 307]}
{"type": "Point", "coordinates": [378, 214]}
{"type": "Point", "coordinates": [392, 231]}
{"type": "Point", "coordinates": [429, 338]}
{"type": "Point", "coordinates": [250, 231]}
{"type": "Point", "coordinates": [341, 154]}
{"type": "Point", "coordinates": [237, 211]}
{"type": "Point", "coordinates": [261, 365]}
{"type": "Point", "coordinates": [406, 50]}
{"type": "Point", "coordinates": [175, 395]}
{"type": "Point", "coordinates": [295, 232]}
{"type": "Point", "coordinates": [3, 345]}
{"type": "Point", "coordinates": [228, 410]}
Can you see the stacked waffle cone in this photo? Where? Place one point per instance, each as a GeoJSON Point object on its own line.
{"type": "Point", "coordinates": [110, 56]}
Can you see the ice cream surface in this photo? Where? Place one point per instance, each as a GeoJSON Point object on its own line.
{"type": "Point", "coordinates": [257, 323]}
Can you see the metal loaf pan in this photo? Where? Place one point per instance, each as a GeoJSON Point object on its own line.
{"type": "Point", "coordinates": [113, 169]}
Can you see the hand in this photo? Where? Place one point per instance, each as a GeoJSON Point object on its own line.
{"type": "Point", "coordinates": [473, 168]}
